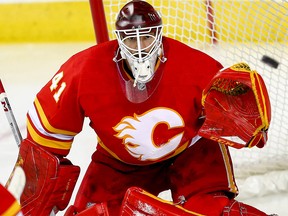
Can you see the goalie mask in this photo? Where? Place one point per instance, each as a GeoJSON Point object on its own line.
{"type": "Point", "coordinates": [139, 35]}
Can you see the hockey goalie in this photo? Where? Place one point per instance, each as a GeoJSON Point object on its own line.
{"type": "Point", "coordinates": [51, 179]}
{"type": "Point", "coordinates": [165, 115]}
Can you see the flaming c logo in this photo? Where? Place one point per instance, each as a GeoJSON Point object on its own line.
{"type": "Point", "coordinates": [137, 133]}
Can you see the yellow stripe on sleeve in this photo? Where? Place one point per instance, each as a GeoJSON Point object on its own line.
{"type": "Point", "coordinates": [12, 210]}
{"type": "Point", "coordinates": [46, 123]}
{"type": "Point", "coordinates": [47, 142]}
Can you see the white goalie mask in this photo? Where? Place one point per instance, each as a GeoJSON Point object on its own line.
{"type": "Point", "coordinates": [139, 35]}
{"type": "Point", "coordinates": [141, 48]}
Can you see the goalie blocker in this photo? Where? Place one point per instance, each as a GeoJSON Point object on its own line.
{"type": "Point", "coordinates": [237, 108]}
{"type": "Point", "coordinates": [49, 180]}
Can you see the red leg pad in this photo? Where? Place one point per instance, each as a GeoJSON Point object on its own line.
{"type": "Point", "coordinates": [236, 208]}
{"type": "Point", "coordinates": [99, 209]}
{"type": "Point", "coordinates": [138, 201]}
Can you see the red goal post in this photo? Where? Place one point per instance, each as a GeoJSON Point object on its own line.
{"type": "Point", "coordinates": [255, 32]}
{"type": "Point", "coordinates": [99, 20]}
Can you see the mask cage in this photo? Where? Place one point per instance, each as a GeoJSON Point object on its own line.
{"type": "Point", "coordinates": [140, 54]}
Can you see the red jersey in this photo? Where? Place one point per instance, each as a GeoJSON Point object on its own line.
{"type": "Point", "coordinates": [88, 85]}
{"type": "Point", "coordinates": [9, 206]}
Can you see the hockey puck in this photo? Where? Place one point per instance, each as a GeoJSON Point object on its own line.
{"type": "Point", "coordinates": [270, 61]}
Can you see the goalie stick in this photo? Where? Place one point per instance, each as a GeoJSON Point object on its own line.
{"type": "Point", "coordinates": [12, 183]}
{"type": "Point", "coordinates": [13, 125]}
{"type": "Point", "coordinates": [9, 114]}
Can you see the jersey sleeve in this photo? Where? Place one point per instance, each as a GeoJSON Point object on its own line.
{"type": "Point", "coordinates": [9, 205]}
{"type": "Point", "coordinates": [56, 116]}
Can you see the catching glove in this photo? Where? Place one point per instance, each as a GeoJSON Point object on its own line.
{"type": "Point", "coordinates": [237, 108]}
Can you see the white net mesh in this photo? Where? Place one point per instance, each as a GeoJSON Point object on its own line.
{"type": "Point", "coordinates": [232, 32]}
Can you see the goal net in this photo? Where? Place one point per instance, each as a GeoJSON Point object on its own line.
{"type": "Point", "coordinates": [251, 31]}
